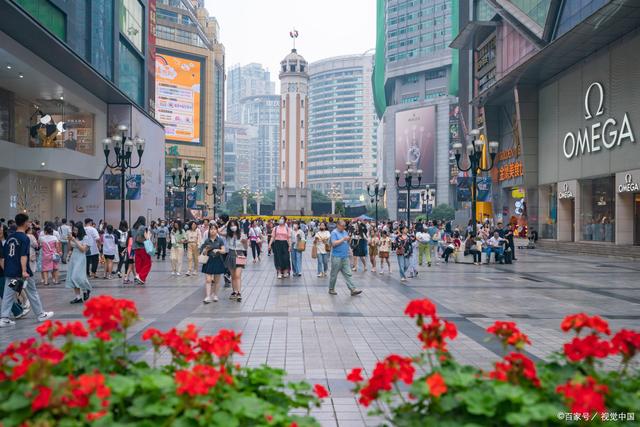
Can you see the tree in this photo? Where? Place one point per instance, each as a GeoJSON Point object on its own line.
{"type": "Point", "coordinates": [233, 204]}
{"type": "Point", "coordinates": [383, 213]}
{"type": "Point", "coordinates": [319, 197]}
{"type": "Point", "coordinates": [443, 212]}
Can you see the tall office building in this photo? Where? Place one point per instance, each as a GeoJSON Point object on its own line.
{"type": "Point", "coordinates": [342, 126]}
{"type": "Point", "coordinates": [415, 88]}
{"type": "Point", "coordinates": [244, 81]}
{"type": "Point", "coordinates": [262, 112]}
{"type": "Point", "coordinates": [71, 73]}
{"type": "Point", "coordinates": [239, 142]}
{"type": "Point", "coordinates": [190, 95]}
{"type": "Point", "coordinates": [292, 193]}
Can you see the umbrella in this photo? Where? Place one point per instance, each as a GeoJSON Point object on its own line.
{"type": "Point", "coordinates": [364, 218]}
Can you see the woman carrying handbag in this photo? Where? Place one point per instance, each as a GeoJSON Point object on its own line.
{"type": "Point", "coordinates": [141, 236]}
{"type": "Point", "coordinates": [236, 246]}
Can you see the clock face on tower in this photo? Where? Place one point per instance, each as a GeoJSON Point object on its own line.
{"type": "Point", "coordinates": [293, 87]}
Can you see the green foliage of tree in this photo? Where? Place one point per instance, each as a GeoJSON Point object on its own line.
{"type": "Point", "coordinates": [443, 212]}
{"type": "Point", "coordinates": [383, 213]}
{"type": "Point", "coordinates": [319, 197]}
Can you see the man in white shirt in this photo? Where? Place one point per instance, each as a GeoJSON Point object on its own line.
{"type": "Point", "coordinates": [424, 242]}
{"type": "Point", "coordinates": [93, 254]}
{"type": "Point", "coordinates": [65, 230]}
{"type": "Point", "coordinates": [495, 245]}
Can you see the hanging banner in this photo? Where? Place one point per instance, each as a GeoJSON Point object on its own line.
{"type": "Point", "coordinates": [463, 188]}
{"type": "Point", "coordinates": [484, 188]}
{"type": "Point", "coordinates": [112, 187]}
{"type": "Point", "coordinates": [416, 141]}
{"type": "Point", "coordinates": [133, 185]}
{"type": "Point", "coordinates": [192, 197]}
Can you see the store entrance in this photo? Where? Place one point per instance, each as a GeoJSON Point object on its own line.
{"type": "Point", "coordinates": [636, 220]}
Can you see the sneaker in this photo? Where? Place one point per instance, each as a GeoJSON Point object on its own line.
{"type": "Point", "coordinates": [207, 300]}
{"type": "Point", "coordinates": [238, 297]}
{"type": "Point", "coordinates": [233, 295]}
{"type": "Point", "coordinates": [188, 273]}
{"type": "Point", "coordinates": [356, 292]}
{"type": "Point", "coordinates": [4, 323]}
{"type": "Point", "coordinates": [429, 264]}
{"type": "Point", "coordinates": [280, 276]}
{"type": "Point", "coordinates": [45, 315]}
{"type": "Point", "coordinates": [119, 275]}
{"type": "Point", "coordinates": [177, 274]}
{"type": "Point", "coordinates": [25, 311]}
{"type": "Point", "coordinates": [381, 272]}
{"type": "Point", "coordinates": [402, 279]}
{"type": "Point", "coordinates": [332, 292]}
{"type": "Point", "coordinates": [215, 298]}
{"type": "Point", "coordinates": [77, 300]}
{"type": "Point", "coordinates": [319, 275]}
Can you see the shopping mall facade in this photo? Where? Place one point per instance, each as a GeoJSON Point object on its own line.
{"type": "Point", "coordinates": [558, 88]}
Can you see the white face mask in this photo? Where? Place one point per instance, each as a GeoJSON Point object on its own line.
{"type": "Point", "coordinates": [281, 221]}
{"type": "Point", "coordinates": [234, 228]}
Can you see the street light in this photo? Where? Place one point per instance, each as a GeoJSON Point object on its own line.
{"type": "Point", "coordinates": [409, 174]}
{"type": "Point", "coordinates": [426, 196]}
{"type": "Point", "coordinates": [122, 148]}
{"type": "Point", "coordinates": [376, 193]}
{"type": "Point", "coordinates": [258, 196]}
{"type": "Point", "coordinates": [334, 195]}
{"type": "Point", "coordinates": [245, 193]}
{"type": "Point", "coordinates": [217, 193]}
{"type": "Point", "coordinates": [474, 152]}
{"type": "Point", "coordinates": [182, 180]}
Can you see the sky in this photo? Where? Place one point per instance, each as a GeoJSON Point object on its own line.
{"type": "Point", "coordinates": [258, 30]}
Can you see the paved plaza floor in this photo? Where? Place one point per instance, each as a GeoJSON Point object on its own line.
{"type": "Point", "coordinates": [296, 325]}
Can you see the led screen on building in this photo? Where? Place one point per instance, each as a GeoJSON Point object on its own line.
{"type": "Point", "coordinates": [178, 97]}
{"type": "Point", "coordinates": [416, 141]}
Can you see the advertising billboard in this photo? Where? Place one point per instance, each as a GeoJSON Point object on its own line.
{"type": "Point", "coordinates": [416, 141]}
{"type": "Point", "coordinates": [178, 97]}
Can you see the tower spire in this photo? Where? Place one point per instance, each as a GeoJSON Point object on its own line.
{"type": "Point", "coordinates": [294, 35]}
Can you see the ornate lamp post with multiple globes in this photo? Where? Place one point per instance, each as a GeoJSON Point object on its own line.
{"type": "Point", "coordinates": [376, 193]}
{"type": "Point", "coordinates": [182, 180]}
{"type": "Point", "coordinates": [245, 193]}
{"type": "Point", "coordinates": [334, 195]}
{"type": "Point", "coordinates": [475, 148]}
{"type": "Point", "coordinates": [217, 193]}
{"type": "Point", "coordinates": [409, 174]}
{"type": "Point", "coordinates": [122, 146]}
{"type": "Point", "coordinates": [426, 196]}
{"type": "Point", "coordinates": [258, 196]}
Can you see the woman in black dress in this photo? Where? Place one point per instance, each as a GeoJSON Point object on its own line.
{"type": "Point", "coordinates": [214, 268]}
{"type": "Point", "coordinates": [359, 242]}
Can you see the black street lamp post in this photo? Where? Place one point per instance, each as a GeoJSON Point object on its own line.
{"type": "Point", "coordinates": [216, 191]}
{"type": "Point", "coordinates": [409, 174]}
{"type": "Point", "coordinates": [182, 180]}
{"type": "Point", "coordinates": [123, 146]}
{"type": "Point", "coordinates": [376, 193]}
{"type": "Point", "coordinates": [474, 152]}
{"type": "Point", "coordinates": [425, 201]}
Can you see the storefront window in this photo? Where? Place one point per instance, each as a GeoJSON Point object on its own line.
{"type": "Point", "coordinates": [102, 37]}
{"type": "Point", "coordinates": [548, 212]}
{"type": "Point", "coordinates": [131, 22]}
{"type": "Point", "coordinates": [130, 79]}
{"type": "Point", "coordinates": [597, 206]}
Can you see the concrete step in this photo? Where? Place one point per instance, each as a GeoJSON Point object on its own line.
{"type": "Point", "coordinates": [591, 248]}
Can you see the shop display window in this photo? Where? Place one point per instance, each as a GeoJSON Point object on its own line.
{"type": "Point", "coordinates": [597, 206]}
{"type": "Point", "coordinates": [548, 212]}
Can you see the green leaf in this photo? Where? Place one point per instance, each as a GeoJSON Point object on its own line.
{"type": "Point", "coordinates": [16, 401]}
{"type": "Point", "coordinates": [247, 406]}
{"type": "Point", "coordinates": [480, 401]}
{"type": "Point", "coordinates": [518, 418]}
{"type": "Point", "coordinates": [542, 411]}
{"type": "Point", "coordinates": [184, 422]}
{"type": "Point", "coordinates": [222, 418]}
{"type": "Point", "coordinates": [157, 381]}
{"type": "Point", "coordinates": [448, 402]}
{"type": "Point", "coordinates": [506, 391]}
{"type": "Point", "coordinates": [121, 385]}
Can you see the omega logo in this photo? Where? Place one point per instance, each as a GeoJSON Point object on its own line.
{"type": "Point", "coordinates": [565, 193]}
{"type": "Point", "coordinates": [629, 186]}
{"type": "Point", "coordinates": [607, 133]}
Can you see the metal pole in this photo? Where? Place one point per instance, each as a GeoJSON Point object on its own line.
{"type": "Point", "coordinates": [122, 193]}
{"type": "Point", "coordinates": [376, 210]}
{"type": "Point", "coordinates": [408, 202]}
{"type": "Point", "coordinates": [185, 205]}
{"type": "Point", "coordinates": [474, 196]}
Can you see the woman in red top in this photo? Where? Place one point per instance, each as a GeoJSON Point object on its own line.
{"type": "Point", "coordinates": [453, 244]}
{"type": "Point", "coordinates": [280, 244]}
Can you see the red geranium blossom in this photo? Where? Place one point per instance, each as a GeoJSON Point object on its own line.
{"type": "Point", "coordinates": [20, 357]}
{"type": "Point", "coordinates": [509, 334]}
{"type": "Point", "coordinates": [57, 329]}
{"type": "Point", "coordinates": [320, 391]}
{"type": "Point", "coordinates": [514, 368]}
{"type": "Point", "coordinates": [355, 375]}
{"type": "Point", "coordinates": [180, 342]}
{"type": "Point", "coordinates": [92, 416]}
{"type": "Point", "coordinates": [223, 345]}
{"type": "Point", "coordinates": [106, 314]}
{"type": "Point", "coordinates": [83, 387]}
{"type": "Point", "coordinates": [588, 348]}
{"type": "Point", "coordinates": [436, 384]}
{"type": "Point", "coordinates": [627, 343]}
{"type": "Point", "coordinates": [434, 334]}
{"type": "Point", "coordinates": [385, 373]}
{"type": "Point", "coordinates": [41, 401]}
{"type": "Point", "coordinates": [420, 307]}
{"type": "Point", "coordinates": [584, 397]}
{"type": "Point", "coordinates": [579, 321]}
{"type": "Point", "coordinates": [197, 380]}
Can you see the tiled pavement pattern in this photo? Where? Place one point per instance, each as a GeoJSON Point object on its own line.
{"type": "Point", "coordinates": [294, 324]}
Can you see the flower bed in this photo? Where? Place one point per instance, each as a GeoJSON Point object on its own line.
{"type": "Point", "coordinates": [81, 373]}
{"type": "Point", "coordinates": [571, 388]}
{"type": "Point", "coordinates": [90, 378]}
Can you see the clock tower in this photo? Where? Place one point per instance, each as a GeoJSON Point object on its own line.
{"type": "Point", "coordinates": [293, 197]}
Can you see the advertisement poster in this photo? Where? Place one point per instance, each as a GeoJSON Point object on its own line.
{"type": "Point", "coordinates": [111, 187]}
{"type": "Point", "coordinates": [463, 188]}
{"type": "Point", "coordinates": [416, 141]}
{"type": "Point", "coordinates": [178, 97]}
{"type": "Point", "coordinates": [85, 199]}
{"type": "Point", "coordinates": [192, 198]}
{"type": "Point", "coordinates": [484, 188]}
{"type": "Point", "coordinates": [416, 205]}
{"type": "Point", "coordinates": [454, 137]}
{"type": "Point", "coordinates": [133, 185]}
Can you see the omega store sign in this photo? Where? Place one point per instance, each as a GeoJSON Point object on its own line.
{"type": "Point", "coordinates": [628, 182]}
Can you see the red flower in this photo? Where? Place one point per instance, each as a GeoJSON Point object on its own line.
{"type": "Point", "coordinates": [180, 342]}
{"type": "Point", "coordinates": [20, 357]}
{"type": "Point", "coordinates": [385, 373]}
{"type": "Point", "coordinates": [83, 387]}
{"type": "Point", "coordinates": [420, 307]}
{"type": "Point", "coordinates": [355, 375]}
{"type": "Point", "coordinates": [106, 314]}
{"type": "Point", "coordinates": [586, 397]}
{"type": "Point", "coordinates": [588, 348]}
{"type": "Point", "coordinates": [268, 417]}
{"type": "Point", "coordinates": [509, 334]}
{"type": "Point", "coordinates": [434, 334]}
{"type": "Point", "coordinates": [514, 368]}
{"type": "Point", "coordinates": [44, 328]}
{"type": "Point", "coordinates": [42, 399]}
{"type": "Point", "coordinates": [579, 321]}
{"type": "Point", "coordinates": [436, 385]}
{"type": "Point", "coordinates": [320, 391]}
{"type": "Point", "coordinates": [223, 345]}
{"type": "Point", "coordinates": [197, 380]}
{"type": "Point", "coordinates": [92, 416]}
{"type": "Point", "coordinates": [627, 343]}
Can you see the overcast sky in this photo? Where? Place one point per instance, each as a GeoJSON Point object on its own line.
{"type": "Point", "coordinates": [258, 30]}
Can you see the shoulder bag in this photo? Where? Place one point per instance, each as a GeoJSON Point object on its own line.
{"type": "Point", "coordinates": [301, 245]}
{"type": "Point", "coordinates": [314, 251]}
{"type": "Point", "coordinates": [203, 258]}
{"type": "Point", "coordinates": [148, 247]}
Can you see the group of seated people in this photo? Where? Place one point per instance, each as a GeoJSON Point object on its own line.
{"type": "Point", "coordinates": [475, 245]}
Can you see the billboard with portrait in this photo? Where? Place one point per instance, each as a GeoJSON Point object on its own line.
{"type": "Point", "coordinates": [178, 83]}
{"type": "Point", "coordinates": [416, 141]}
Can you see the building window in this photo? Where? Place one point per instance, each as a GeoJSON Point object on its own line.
{"type": "Point", "coordinates": [549, 212]}
{"type": "Point", "coordinates": [283, 164]}
{"type": "Point", "coordinates": [284, 68]}
{"type": "Point", "coordinates": [292, 68]}
{"type": "Point", "coordinates": [131, 19]}
{"type": "Point", "coordinates": [302, 103]}
{"type": "Point", "coordinates": [301, 144]}
{"type": "Point", "coordinates": [102, 37]}
{"type": "Point", "coordinates": [48, 15]}
{"type": "Point", "coordinates": [435, 74]}
{"type": "Point", "coordinates": [409, 99]}
{"type": "Point", "coordinates": [130, 77]}
{"type": "Point", "coordinates": [597, 209]}
{"type": "Point", "coordinates": [301, 124]}
{"type": "Point", "coordinates": [301, 165]}
{"type": "Point", "coordinates": [284, 103]}
{"type": "Point", "coordinates": [283, 124]}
